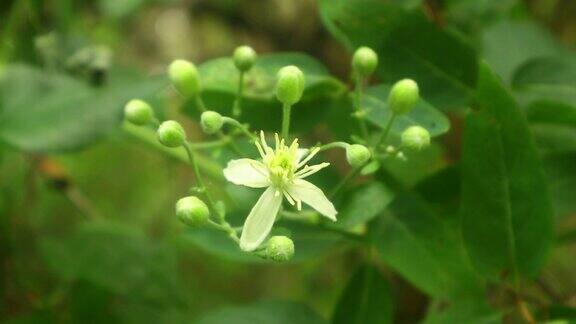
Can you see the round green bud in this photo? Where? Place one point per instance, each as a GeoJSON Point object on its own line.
{"type": "Point", "coordinates": [244, 58]}
{"type": "Point", "coordinates": [364, 61]}
{"type": "Point", "coordinates": [211, 122]}
{"type": "Point", "coordinates": [290, 86]}
{"type": "Point", "coordinates": [138, 112]}
{"type": "Point", "coordinates": [192, 211]}
{"type": "Point", "coordinates": [185, 78]}
{"type": "Point", "coordinates": [404, 95]}
{"type": "Point", "coordinates": [357, 154]}
{"type": "Point", "coordinates": [171, 134]}
{"type": "Point", "coordinates": [280, 248]}
{"type": "Point", "coordinates": [415, 138]}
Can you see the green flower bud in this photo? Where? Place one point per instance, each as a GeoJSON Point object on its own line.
{"type": "Point", "coordinates": [415, 138]}
{"type": "Point", "coordinates": [357, 154]}
{"type": "Point", "coordinates": [290, 86]}
{"type": "Point", "coordinates": [171, 134]}
{"type": "Point", "coordinates": [138, 112]}
{"type": "Point", "coordinates": [403, 96]}
{"type": "Point", "coordinates": [364, 61]}
{"type": "Point", "coordinates": [185, 78]}
{"type": "Point", "coordinates": [280, 248]}
{"type": "Point", "coordinates": [211, 122]}
{"type": "Point", "coordinates": [192, 211]}
{"type": "Point", "coordinates": [244, 58]}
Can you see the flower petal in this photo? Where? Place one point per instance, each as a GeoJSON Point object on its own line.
{"type": "Point", "coordinates": [313, 196]}
{"type": "Point", "coordinates": [300, 154]}
{"type": "Point", "coordinates": [247, 172]}
{"type": "Point", "coordinates": [260, 220]}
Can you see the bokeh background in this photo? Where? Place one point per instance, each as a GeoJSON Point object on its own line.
{"type": "Point", "coordinates": [88, 234]}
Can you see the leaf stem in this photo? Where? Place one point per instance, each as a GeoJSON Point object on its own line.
{"type": "Point", "coordinates": [286, 110]}
{"type": "Point", "coordinates": [243, 128]}
{"type": "Point", "coordinates": [237, 108]}
{"type": "Point", "coordinates": [360, 113]}
{"type": "Point", "coordinates": [386, 131]}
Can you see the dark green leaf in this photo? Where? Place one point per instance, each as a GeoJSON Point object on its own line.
{"type": "Point", "coordinates": [506, 210]}
{"type": "Point", "coordinates": [424, 248]}
{"type": "Point", "coordinates": [408, 45]}
{"type": "Point", "coordinates": [263, 313]}
{"type": "Point", "coordinates": [51, 112]}
{"type": "Point", "coordinates": [561, 173]}
{"type": "Point", "coordinates": [472, 311]}
{"type": "Point", "coordinates": [375, 102]}
{"type": "Point", "coordinates": [366, 299]}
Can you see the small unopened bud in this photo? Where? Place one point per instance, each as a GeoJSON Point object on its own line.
{"type": "Point", "coordinates": [404, 95]}
{"type": "Point", "coordinates": [415, 138]}
{"type": "Point", "coordinates": [138, 112]}
{"type": "Point", "coordinates": [357, 154]}
{"type": "Point", "coordinates": [211, 122]}
{"type": "Point", "coordinates": [185, 78]}
{"type": "Point", "coordinates": [280, 248]}
{"type": "Point", "coordinates": [244, 58]}
{"type": "Point", "coordinates": [171, 134]}
{"type": "Point", "coordinates": [364, 61]}
{"type": "Point", "coordinates": [290, 86]}
{"type": "Point", "coordinates": [192, 211]}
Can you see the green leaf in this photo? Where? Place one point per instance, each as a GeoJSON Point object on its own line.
{"type": "Point", "coordinates": [366, 299]}
{"type": "Point", "coordinates": [263, 312]}
{"type": "Point", "coordinates": [363, 204]}
{"type": "Point", "coordinates": [424, 248]}
{"type": "Point", "coordinates": [408, 45]}
{"type": "Point", "coordinates": [50, 112]}
{"type": "Point", "coordinates": [222, 76]}
{"type": "Point", "coordinates": [117, 258]}
{"type": "Point", "coordinates": [561, 175]}
{"type": "Point", "coordinates": [506, 209]}
{"type": "Point", "coordinates": [547, 86]}
{"type": "Point", "coordinates": [508, 44]}
{"type": "Point", "coordinates": [375, 102]}
{"type": "Point", "coordinates": [472, 311]}
{"type": "Point", "coordinates": [220, 81]}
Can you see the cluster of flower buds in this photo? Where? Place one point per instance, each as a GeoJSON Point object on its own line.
{"type": "Point", "coordinates": [282, 169]}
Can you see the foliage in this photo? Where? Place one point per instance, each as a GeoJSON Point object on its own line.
{"type": "Point", "coordinates": [477, 227]}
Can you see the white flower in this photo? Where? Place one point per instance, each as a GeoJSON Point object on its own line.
{"type": "Point", "coordinates": [282, 172]}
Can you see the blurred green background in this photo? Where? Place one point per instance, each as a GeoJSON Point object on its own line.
{"type": "Point", "coordinates": [87, 230]}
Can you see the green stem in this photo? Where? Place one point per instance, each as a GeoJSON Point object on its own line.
{"type": "Point", "coordinates": [200, 103]}
{"type": "Point", "coordinates": [225, 227]}
{"type": "Point", "coordinates": [243, 128]}
{"type": "Point", "coordinates": [332, 145]}
{"type": "Point", "coordinates": [351, 174]}
{"type": "Point", "coordinates": [286, 109]}
{"type": "Point", "coordinates": [360, 113]}
{"type": "Point", "coordinates": [237, 109]}
{"type": "Point", "coordinates": [386, 131]}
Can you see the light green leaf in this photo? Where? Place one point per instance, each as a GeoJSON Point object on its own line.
{"type": "Point", "coordinates": [119, 259]}
{"type": "Point", "coordinates": [221, 75]}
{"type": "Point", "coordinates": [366, 299]}
{"type": "Point", "coordinates": [408, 45]}
{"type": "Point", "coordinates": [508, 44]}
{"type": "Point", "coordinates": [547, 86]}
{"type": "Point", "coordinates": [375, 102]}
{"type": "Point", "coordinates": [363, 204]}
{"type": "Point", "coordinates": [506, 209]}
{"type": "Point", "coordinates": [50, 112]}
{"type": "Point", "coordinates": [263, 313]}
